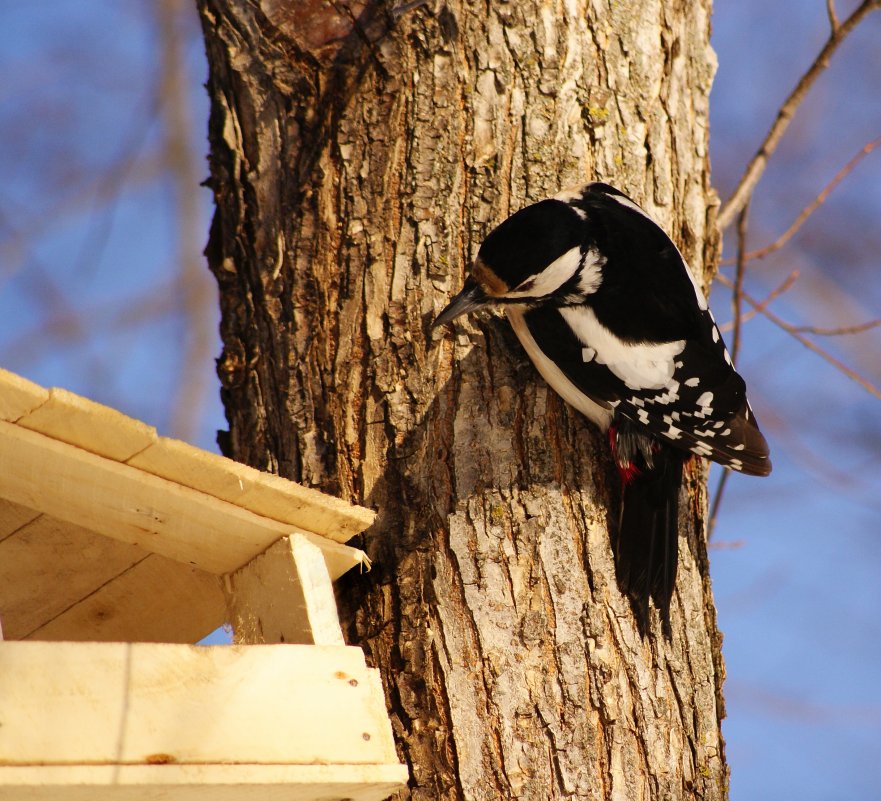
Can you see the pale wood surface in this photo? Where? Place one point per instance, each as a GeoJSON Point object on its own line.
{"type": "Point", "coordinates": [18, 396]}
{"type": "Point", "coordinates": [126, 504]}
{"type": "Point", "coordinates": [139, 702]}
{"type": "Point", "coordinates": [200, 782]}
{"type": "Point", "coordinates": [89, 425]}
{"type": "Point", "coordinates": [284, 596]}
{"type": "Point", "coordinates": [155, 600]}
{"type": "Point", "coordinates": [13, 516]}
{"type": "Point", "coordinates": [48, 566]}
{"type": "Point", "coordinates": [263, 493]}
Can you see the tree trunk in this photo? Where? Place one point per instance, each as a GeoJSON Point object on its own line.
{"type": "Point", "coordinates": [359, 154]}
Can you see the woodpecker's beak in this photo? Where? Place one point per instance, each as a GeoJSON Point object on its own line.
{"type": "Point", "coordinates": [470, 298]}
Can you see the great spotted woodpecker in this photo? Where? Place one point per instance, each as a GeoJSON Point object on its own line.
{"type": "Point", "coordinates": [607, 310]}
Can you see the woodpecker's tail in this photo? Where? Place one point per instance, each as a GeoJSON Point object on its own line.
{"type": "Point", "coordinates": [646, 552]}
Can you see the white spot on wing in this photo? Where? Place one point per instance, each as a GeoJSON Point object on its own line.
{"type": "Point", "coordinates": [554, 376]}
{"type": "Point", "coordinates": [672, 432]}
{"type": "Point", "coordinates": [715, 334]}
{"type": "Point", "coordinates": [587, 354]}
{"type": "Point", "coordinates": [706, 400]}
{"type": "Point", "coordinates": [639, 366]}
{"type": "Point", "coordinates": [692, 382]}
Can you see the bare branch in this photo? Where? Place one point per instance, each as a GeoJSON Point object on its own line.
{"type": "Point", "coordinates": [833, 17]}
{"type": "Point", "coordinates": [736, 298]}
{"type": "Point", "coordinates": [737, 294]}
{"type": "Point", "coordinates": [785, 286]}
{"type": "Point", "coordinates": [794, 332]}
{"type": "Point", "coordinates": [66, 326]}
{"type": "Point", "coordinates": [818, 201]}
{"type": "Point", "coordinates": [717, 502]}
{"type": "Point", "coordinates": [845, 330]}
{"type": "Point", "coordinates": [193, 286]}
{"type": "Point", "coordinates": [756, 167]}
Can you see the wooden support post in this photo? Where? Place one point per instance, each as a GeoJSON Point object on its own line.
{"type": "Point", "coordinates": [284, 595]}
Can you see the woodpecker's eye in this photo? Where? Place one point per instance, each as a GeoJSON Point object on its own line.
{"type": "Point", "coordinates": [526, 285]}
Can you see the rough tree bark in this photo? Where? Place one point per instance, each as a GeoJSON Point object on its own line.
{"type": "Point", "coordinates": [359, 153]}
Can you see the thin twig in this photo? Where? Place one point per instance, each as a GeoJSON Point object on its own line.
{"type": "Point", "coordinates": [785, 286]}
{"type": "Point", "coordinates": [844, 330]}
{"type": "Point", "coordinates": [794, 332]}
{"type": "Point", "coordinates": [745, 317]}
{"type": "Point", "coordinates": [818, 201]}
{"type": "Point", "coordinates": [833, 17]}
{"type": "Point", "coordinates": [757, 165]}
{"type": "Point", "coordinates": [717, 502]}
{"type": "Point", "coordinates": [193, 291]}
{"type": "Point", "coordinates": [736, 298]}
{"type": "Point", "coordinates": [737, 294]}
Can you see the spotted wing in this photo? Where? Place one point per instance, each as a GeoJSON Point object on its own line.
{"type": "Point", "coordinates": [685, 392]}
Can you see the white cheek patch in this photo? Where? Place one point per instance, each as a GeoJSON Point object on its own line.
{"type": "Point", "coordinates": [549, 280]}
{"type": "Point", "coordinates": [639, 366]}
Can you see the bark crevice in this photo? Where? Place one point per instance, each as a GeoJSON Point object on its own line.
{"type": "Point", "coordinates": [357, 160]}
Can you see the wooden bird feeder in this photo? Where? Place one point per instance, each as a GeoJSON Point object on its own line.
{"type": "Point", "coordinates": [119, 549]}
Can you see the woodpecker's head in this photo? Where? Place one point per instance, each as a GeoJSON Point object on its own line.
{"type": "Point", "coordinates": [538, 255]}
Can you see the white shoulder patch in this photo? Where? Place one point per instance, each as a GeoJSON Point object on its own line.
{"type": "Point", "coordinates": [639, 366]}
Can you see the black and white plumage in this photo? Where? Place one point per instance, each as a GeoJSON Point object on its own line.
{"type": "Point", "coordinates": [608, 312]}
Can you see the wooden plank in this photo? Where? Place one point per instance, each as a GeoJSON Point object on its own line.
{"type": "Point", "coordinates": [18, 396]}
{"type": "Point", "coordinates": [13, 517]}
{"type": "Point", "coordinates": [263, 493]}
{"type": "Point", "coordinates": [201, 782]}
{"type": "Point", "coordinates": [138, 703]}
{"type": "Point", "coordinates": [89, 425]}
{"type": "Point", "coordinates": [132, 506]}
{"type": "Point", "coordinates": [49, 565]}
{"type": "Point", "coordinates": [284, 596]}
{"type": "Point", "coordinates": [338, 558]}
{"type": "Point", "coordinates": [155, 600]}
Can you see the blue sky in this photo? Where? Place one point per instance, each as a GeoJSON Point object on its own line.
{"type": "Point", "coordinates": [795, 559]}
